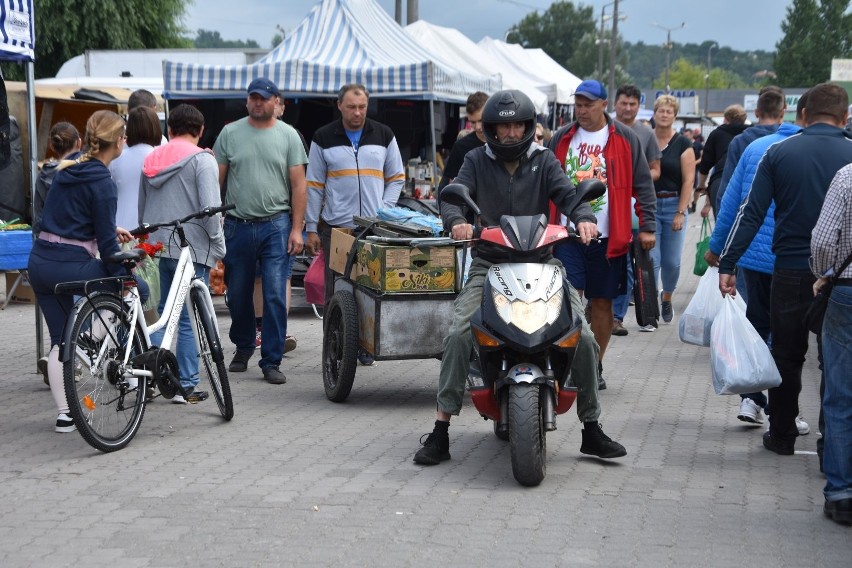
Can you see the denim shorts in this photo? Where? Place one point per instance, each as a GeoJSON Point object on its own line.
{"type": "Point", "coordinates": [588, 269]}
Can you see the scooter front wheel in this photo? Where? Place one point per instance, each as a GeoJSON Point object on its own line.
{"type": "Point", "coordinates": [526, 434]}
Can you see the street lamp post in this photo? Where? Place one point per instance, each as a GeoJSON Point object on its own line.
{"type": "Point", "coordinates": [601, 42]}
{"type": "Point", "coordinates": [707, 77]}
{"type": "Point", "coordinates": [612, 45]}
{"type": "Point", "coordinates": [668, 47]}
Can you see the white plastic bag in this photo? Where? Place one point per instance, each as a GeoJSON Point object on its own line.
{"type": "Point", "coordinates": [696, 319]}
{"type": "Point", "coordinates": [740, 361]}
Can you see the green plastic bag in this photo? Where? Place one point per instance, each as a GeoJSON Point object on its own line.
{"type": "Point", "coordinates": [702, 246]}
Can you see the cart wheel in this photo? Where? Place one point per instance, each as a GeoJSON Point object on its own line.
{"type": "Point", "coordinates": [339, 346]}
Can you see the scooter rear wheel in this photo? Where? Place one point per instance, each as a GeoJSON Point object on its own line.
{"type": "Point", "coordinates": [526, 434]}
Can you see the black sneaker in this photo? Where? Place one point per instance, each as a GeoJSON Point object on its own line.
{"type": "Point", "coordinates": [64, 423]}
{"type": "Point", "coordinates": [41, 365]}
{"type": "Point", "coordinates": [666, 310]}
{"type": "Point", "coordinates": [240, 361]}
{"type": "Point", "coordinates": [365, 358]}
{"type": "Point", "coordinates": [274, 376]}
{"type": "Point", "coordinates": [596, 443]}
{"type": "Point", "coordinates": [435, 449]}
{"type": "Point", "coordinates": [601, 381]}
{"type": "Point", "coordinates": [839, 511]}
{"type": "Point", "coordinates": [780, 447]}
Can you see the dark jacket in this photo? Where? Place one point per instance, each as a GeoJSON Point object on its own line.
{"type": "Point", "coordinates": [454, 163]}
{"type": "Point", "coordinates": [538, 180]}
{"type": "Point", "coordinates": [45, 178]}
{"type": "Point", "coordinates": [735, 151]}
{"type": "Point", "coordinates": [81, 205]}
{"type": "Point", "coordinates": [627, 176]}
{"type": "Point", "coordinates": [795, 174]}
{"type": "Point", "coordinates": [716, 149]}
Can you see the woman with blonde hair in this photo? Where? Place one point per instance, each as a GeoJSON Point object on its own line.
{"type": "Point", "coordinates": [674, 194]}
{"type": "Point", "coordinates": [77, 223]}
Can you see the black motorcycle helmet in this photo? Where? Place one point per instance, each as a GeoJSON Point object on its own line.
{"type": "Point", "coordinates": [503, 107]}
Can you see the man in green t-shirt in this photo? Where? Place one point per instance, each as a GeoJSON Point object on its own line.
{"type": "Point", "coordinates": [261, 161]}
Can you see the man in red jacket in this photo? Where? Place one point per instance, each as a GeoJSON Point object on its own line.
{"type": "Point", "coordinates": [595, 146]}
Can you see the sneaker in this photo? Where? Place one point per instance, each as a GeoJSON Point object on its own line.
{"type": "Point", "coordinates": [596, 443]}
{"type": "Point", "coordinates": [64, 423]}
{"type": "Point", "coordinates": [257, 336]}
{"type": "Point", "coordinates": [802, 426]}
{"type": "Point", "coordinates": [750, 412]}
{"type": "Point", "coordinates": [780, 447]}
{"type": "Point", "coordinates": [618, 328]}
{"type": "Point", "coordinates": [240, 361]}
{"type": "Point", "coordinates": [839, 511]}
{"type": "Point", "coordinates": [42, 368]}
{"type": "Point", "coordinates": [435, 449]}
{"type": "Point", "coordinates": [601, 381]}
{"type": "Point", "coordinates": [178, 399]}
{"type": "Point", "coordinates": [666, 310]}
{"type": "Point", "coordinates": [274, 376]}
{"type": "Point", "coordinates": [365, 358]}
{"type": "Point", "coordinates": [647, 328]}
{"type": "Point", "coordinates": [289, 343]}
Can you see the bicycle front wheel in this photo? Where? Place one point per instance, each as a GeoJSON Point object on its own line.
{"type": "Point", "coordinates": [212, 357]}
{"type": "Point", "coordinates": [106, 405]}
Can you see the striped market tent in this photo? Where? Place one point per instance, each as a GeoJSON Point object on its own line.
{"type": "Point", "coordinates": [340, 41]}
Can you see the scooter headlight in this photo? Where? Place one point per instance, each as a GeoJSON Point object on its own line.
{"type": "Point", "coordinates": [529, 317]}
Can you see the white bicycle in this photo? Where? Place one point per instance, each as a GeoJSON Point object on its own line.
{"type": "Point", "coordinates": [109, 361]}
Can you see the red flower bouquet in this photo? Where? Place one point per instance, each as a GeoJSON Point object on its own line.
{"type": "Point", "coordinates": [151, 249]}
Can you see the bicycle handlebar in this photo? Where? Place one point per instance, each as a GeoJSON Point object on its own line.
{"type": "Point", "coordinates": [145, 228]}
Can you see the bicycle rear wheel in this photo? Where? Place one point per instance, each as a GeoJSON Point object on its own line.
{"type": "Point", "coordinates": [106, 405]}
{"type": "Point", "coordinates": [210, 352]}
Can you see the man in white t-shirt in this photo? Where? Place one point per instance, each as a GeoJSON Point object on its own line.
{"type": "Point", "coordinates": [595, 146]}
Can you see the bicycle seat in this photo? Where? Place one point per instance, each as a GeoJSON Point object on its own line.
{"type": "Point", "coordinates": [125, 255]}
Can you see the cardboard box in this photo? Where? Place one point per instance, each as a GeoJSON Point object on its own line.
{"type": "Point", "coordinates": [24, 293]}
{"type": "Point", "coordinates": [395, 268]}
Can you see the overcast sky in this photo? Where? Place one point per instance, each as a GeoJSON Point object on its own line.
{"type": "Point", "coordinates": [739, 24]}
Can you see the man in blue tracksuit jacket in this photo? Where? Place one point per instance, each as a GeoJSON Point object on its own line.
{"type": "Point", "coordinates": [795, 174]}
{"type": "Point", "coordinates": [758, 260]}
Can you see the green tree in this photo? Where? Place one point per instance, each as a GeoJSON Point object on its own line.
{"type": "Point", "coordinates": [559, 32]}
{"type": "Point", "coordinates": [206, 39]}
{"type": "Point", "coordinates": [815, 32]}
{"type": "Point", "coordinates": [66, 29]}
{"type": "Point", "coordinates": [686, 75]}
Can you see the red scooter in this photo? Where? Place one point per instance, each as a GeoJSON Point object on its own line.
{"type": "Point", "coordinates": [525, 334]}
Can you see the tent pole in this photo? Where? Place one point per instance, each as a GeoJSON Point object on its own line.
{"type": "Point", "coordinates": [434, 144]}
{"type": "Point", "coordinates": [31, 119]}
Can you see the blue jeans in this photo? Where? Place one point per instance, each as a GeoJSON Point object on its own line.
{"type": "Point", "coordinates": [667, 251]}
{"type": "Point", "coordinates": [247, 244]}
{"type": "Point", "coordinates": [837, 400]}
{"type": "Point", "coordinates": [185, 350]}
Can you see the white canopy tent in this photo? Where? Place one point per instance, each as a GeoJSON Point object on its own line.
{"type": "Point", "coordinates": [536, 67]}
{"type": "Point", "coordinates": [454, 48]}
{"type": "Point", "coordinates": [338, 42]}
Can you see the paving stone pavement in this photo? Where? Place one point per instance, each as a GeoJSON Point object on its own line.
{"type": "Point", "coordinates": [299, 481]}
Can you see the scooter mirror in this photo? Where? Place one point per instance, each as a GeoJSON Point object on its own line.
{"type": "Point", "coordinates": [459, 195]}
{"type": "Point", "coordinates": [589, 190]}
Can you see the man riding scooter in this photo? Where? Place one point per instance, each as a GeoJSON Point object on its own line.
{"type": "Point", "coordinates": [512, 175]}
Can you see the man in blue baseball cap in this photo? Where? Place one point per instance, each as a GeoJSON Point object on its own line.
{"type": "Point", "coordinates": [261, 161]}
{"type": "Point", "coordinates": [595, 146]}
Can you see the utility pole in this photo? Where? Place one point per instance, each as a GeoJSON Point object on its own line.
{"type": "Point", "coordinates": [599, 70]}
{"type": "Point", "coordinates": [612, 44]}
{"type": "Point", "coordinates": [413, 11]}
{"type": "Point", "coordinates": [668, 48]}
{"type": "Point", "coordinates": [707, 77]}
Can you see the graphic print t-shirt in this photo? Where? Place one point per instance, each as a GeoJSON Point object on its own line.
{"type": "Point", "coordinates": [585, 160]}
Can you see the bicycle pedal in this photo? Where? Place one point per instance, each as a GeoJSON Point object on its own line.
{"type": "Point", "coordinates": [197, 396]}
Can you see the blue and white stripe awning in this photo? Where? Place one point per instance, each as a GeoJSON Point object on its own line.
{"type": "Point", "coordinates": [16, 30]}
{"type": "Point", "coordinates": [339, 42]}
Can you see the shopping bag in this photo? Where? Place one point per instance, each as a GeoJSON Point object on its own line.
{"type": "Point", "coordinates": [740, 361]}
{"type": "Point", "coordinates": [696, 320]}
{"type": "Point", "coordinates": [315, 280]}
{"type": "Point", "coordinates": [701, 247]}
{"type": "Point", "coordinates": [644, 286]}
{"type": "Point", "coordinates": [148, 269]}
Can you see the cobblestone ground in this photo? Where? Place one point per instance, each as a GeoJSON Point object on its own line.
{"type": "Point", "coordinates": [297, 480]}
